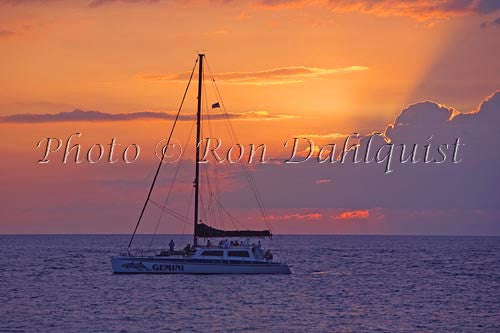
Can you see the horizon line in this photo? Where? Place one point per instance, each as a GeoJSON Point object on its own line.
{"type": "Point", "coordinates": [284, 234]}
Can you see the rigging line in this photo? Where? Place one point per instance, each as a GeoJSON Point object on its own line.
{"type": "Point", "coordinates": [214, 167]}
{"type": "Point", "coordinates": [172, 184]}
{"type": "Point", "coordinates": [247, 173]}
{"type": "Point", "coordinates": [174, 214]}
{"type": "Point", "coordinates": [256, 193]}
{"type": "Point", "coordinates": [211, 211]}
{"type": "Point", "coordinates": [234, 137]}
{"type": "Point", "coordinates": [233, 219]}
{"type": "Point", "coordinates": [168, 210]}
{"type": "Point", "coordinates": [203, 186]}
{"type": "Point", "coordinates": [218, 195]}
{"type": "Point", "coordinates": [227, 124]}
{"type": "Point", "coordinates": [259, 199]}
{"type": "Point", "coordinates": [204, 205]}
{"type": "Point", "coordinates": [203, 210]}
{"type": "Point", "coordinates": [251, 182]}
{"type": "Point", "coordinates": [210, 200]}
{"type": "Point", "coordinates": [206, 119]}
{"type": "Point", "coordinates": [188, 210]}
{"type": "Point", "coordinates": [162, 156]}
{"type": "Point", "coordinates": [205, 181]}
{"type": "Point", "coordinates": [209, 190]}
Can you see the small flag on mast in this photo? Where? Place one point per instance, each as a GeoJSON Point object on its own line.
{"type": "Point", "coordinates": [215, 105]}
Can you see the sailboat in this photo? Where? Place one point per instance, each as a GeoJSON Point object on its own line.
{"type": "Point", "coordinates": [235, 257]}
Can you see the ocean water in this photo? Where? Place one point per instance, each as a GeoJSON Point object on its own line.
{"type": "Point", "coordinates": [63, 283]}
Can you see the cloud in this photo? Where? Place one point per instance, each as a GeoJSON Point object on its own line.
{"type": "Point", "coordinates": [354, 215]}
{"type": "Point", "coordinates": [297, 216]}
{"type": "Point", "coordinates": [493, 23]}
{"type": "Point", "coordinates": [25, 2]}
{"type": "Point", "coordinates": [98, 3]}
{"type": "Point", "coordinates": [221, 32]}
{"type": "Point", "coordinates": [322, 181]}
{"type": "Point", "coordinates": [323, 136]}
{"type": "Point", "coordinates": [6, 33]}
{"type": "Point", "coordinates": [81, 115]}
{"type": "Point", "coordinates": [418, 9]}
{"type": "Point", "coordinates": [281, 75]}
{"type": "Point", "coordinates": [421, 120]}
{"type": "Point", "coordinates": [420, 198]}
{"type": "Point", "coordinates": [90, 3]}
{"type": "Point", "coordinates": [486, 6]}
{"type": "Point", "coordinates": [457, 190]}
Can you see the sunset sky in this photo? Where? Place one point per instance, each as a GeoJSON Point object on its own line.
{"type": "Point", "coordinates": [321, 69]}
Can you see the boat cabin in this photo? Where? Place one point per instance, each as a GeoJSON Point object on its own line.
{"type": "Point", "coordinates": [250, 253]}
{"type": "Point", "coordinates": [241, 253]}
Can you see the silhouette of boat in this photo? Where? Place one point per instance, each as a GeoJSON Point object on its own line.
{"type": "Point", "coordinates": [238, 257]}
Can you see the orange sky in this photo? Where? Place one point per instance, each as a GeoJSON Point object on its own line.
{"type": "Point", "coordinates": [319, 68]}
{"type": "Point", "coordinates": [59, 56]}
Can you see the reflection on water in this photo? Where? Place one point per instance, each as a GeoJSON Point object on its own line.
{"type": "Point", "coordinates": [339, 283]}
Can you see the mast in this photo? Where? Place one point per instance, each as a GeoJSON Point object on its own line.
{"type": "Point", "coordinates": [198, 133]}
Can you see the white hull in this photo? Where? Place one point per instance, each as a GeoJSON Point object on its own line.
{"type": "Point", "coordinates": [154, 265]}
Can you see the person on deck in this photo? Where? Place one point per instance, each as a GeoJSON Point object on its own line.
{"type": "Point", "coordinates": [268, 255]}
{"type": "Point", "coordinates": [187, 249]}
{"type": "Point", "coordinates": [209, 243]}
{"type": "Point", "coordinates": [171, 245]}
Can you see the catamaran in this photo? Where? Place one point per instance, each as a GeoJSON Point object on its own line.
{"type": "Point", "coordinates": [241, 256]}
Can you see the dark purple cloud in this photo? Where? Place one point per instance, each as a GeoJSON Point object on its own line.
{"type": "Point", "coordinates": [81, 115]}
{"type": "Point", "coordinates": [493, 23]}
{"type": "Point", "coordinates": [435, 196]}
{"type": "Point", "coordinates": [486, 6]}
{"type": "Point", "coordinates": [420, 9]}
